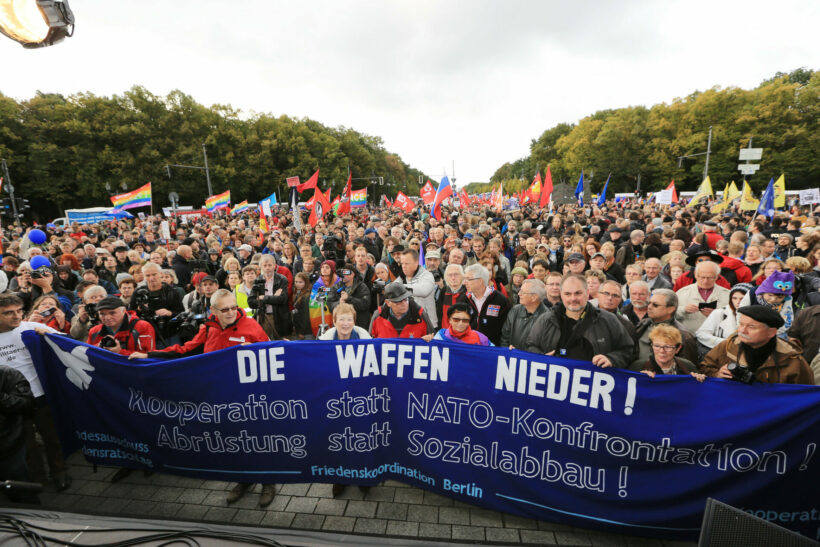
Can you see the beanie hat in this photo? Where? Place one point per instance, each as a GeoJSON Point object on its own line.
{"type": "Point", "coordinates": [519, 271]}
{"type": "Point", "coordinates": [777, 283]}
{"type": "Point", "coordinates": [332, 265]}
{"type": "Point", "coordinates": [197, 277]}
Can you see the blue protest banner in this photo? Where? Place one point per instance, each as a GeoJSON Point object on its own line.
{"type": "Point", "coordinates": [537, 436]}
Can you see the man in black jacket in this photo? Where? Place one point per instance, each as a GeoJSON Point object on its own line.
{"type": "Point", "coordinates": [16, 399]}
{"type": "Point", "coordinates": [575, 329]}
{"type": "Point", "coordinates": [181, 266]}
{"type": "Point", "coordinates": [355, 293]}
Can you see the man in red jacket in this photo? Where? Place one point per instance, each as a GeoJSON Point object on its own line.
{"type": "Point", "coordinates": [121, 331]}
{"type": "Point", "coordinates": [227, 326]}
{"type": "Point", "coordinates": [400, 317]}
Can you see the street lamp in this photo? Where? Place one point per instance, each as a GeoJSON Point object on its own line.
{"type": "Point", "coordinates": [36, 23]}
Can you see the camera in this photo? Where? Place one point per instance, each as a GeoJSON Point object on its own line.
{"type": "Point", "coordinates": [187, 324]}
{"type": "Point", "coordinates": [40, 272]}
{"type": "Point", "coordinates": [436, 275]}
{"type": "Point", "coordinates": [741, 374]}
{"type": "Point", "coordinates": [259, 286]}
{"type": "Point", "coordinates": [91, 310]}
{"type": "Point", "coordinates": [379, 285]}
{"type": "Point", "coordinates": [198, 265]}
{"type": "Point", "coordinates": [48, 313]}
{"type": "Point", "coordinates": [108, 342]}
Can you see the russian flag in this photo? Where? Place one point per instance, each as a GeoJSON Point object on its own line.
{"type": "Point", "coordinates": [444, 191]}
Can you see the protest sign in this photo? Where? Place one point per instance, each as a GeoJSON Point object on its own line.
{"type": "Point", "coordinates": [810, 196]}
{"type": "Point", "coordinates": [541, 437]}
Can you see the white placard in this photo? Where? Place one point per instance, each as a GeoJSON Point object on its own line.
{"type": "Point", "coordinates": [750, 154]}
{"type": "Point", "coordinates": [266, 208]}
{"type": "Point", "coordinates": [165, 230]}
{"type": "Point", "coordinates": [748, 168]}
{"type": "Point", "coordinates": [810, 196]}
{"type": "Point", "coordinates": [664, 197]}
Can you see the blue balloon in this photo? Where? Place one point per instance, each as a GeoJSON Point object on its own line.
{"type": "Point", "coordinates": [38, 237]}
{"type": "Point", "coordinates": [39, 261]}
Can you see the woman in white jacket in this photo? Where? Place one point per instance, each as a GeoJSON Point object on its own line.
{"type": "Point", "coordinates": [723, 322]}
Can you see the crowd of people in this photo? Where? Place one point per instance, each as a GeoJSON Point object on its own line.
{"type": "Point", "coordinates": [648, 288]}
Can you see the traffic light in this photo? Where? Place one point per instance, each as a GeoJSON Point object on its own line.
{"type": "Point", "coordinates": [22, 205]}
{"type": "Point", "coordinates": [6, 209]}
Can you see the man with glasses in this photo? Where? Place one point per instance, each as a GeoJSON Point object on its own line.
{"type": "Point", "coordinates": [609, 299]}
{"type": "Point", "coordinates": [488, 307]}
{"type": "Point", "coordinates": [17, 356]}
{"type": "Point", "coordinates": [119, 330]}
{"type": "Point", "coordinates": [553, 288]}
{"type": "Point", "coordinates": [661, 311]}
{"type": "Point", "coordinates": [688, 278]}
{"type": "Point", "coordinates": [228, 326]}
{"type": "Point", "coordinates": [522, 316]}
{"type": "Point", "coordinates": [697, 301]}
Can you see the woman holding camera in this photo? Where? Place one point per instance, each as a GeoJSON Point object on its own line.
{"type": "Point", "coordinates": [46, 310]}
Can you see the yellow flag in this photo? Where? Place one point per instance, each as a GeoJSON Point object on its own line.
{"type": "Point", "coordinates": [748, 201]}
{"type": "Point", "coordinates": [721, 205]}
{"type": "Point", "coordinates": [780, 192]}
{"type": "Point", "coordinates": [733, 193]}
{"type": "Point", "coordinates": [704, 190]}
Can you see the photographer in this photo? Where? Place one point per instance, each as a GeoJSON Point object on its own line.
{"type": "Point", "coordinates": [46, 310]}
{"type": "Point", "coordinates": [121, 331]}
{"type": "Point", "coordinates": [41, 282]}
{"type": "Point", "coordinates": [355, 293]}
{"type": "Point", "coordinates": [86, 316]}
{"type": "Point", "coordinates": [269, 299]}
{"type": "Point", "coordinates": [420, 282]}
{"type": "Point", "coordinates": [400, 317]}
{"type": "Point", "coordinates": [157, 302]}
{"type": "Point", "coordinates": [207, 287]}
{"type": "Point", "coordinates": [756, 353]}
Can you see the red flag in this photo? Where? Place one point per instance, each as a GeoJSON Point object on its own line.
{"type": "Point", "coordinates": [674, 192]}
{"type": "Point", "coordinates": [387, 202]}
{"type": "Point", "coordinates": [403, 202]}
{"type": "Point", "coordinates": [546, 189]}
{"type": "Point", "coordinates": [428, 193]}
{"type": "Point", "coordinates": [464, 199]}
{"type": "Point", "coordinates": [320, 207]}
{"type": "Point", "coordinates": [309, 183]}
{"type": "Point", "coordinates": [344, 205]}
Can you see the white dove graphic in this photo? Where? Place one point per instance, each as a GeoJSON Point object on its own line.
{"type": "Point", "coordinates": [76, 363]}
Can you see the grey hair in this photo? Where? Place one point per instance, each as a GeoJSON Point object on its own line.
{"type": "Point", "coordinates": [479, 271]}
{"type": "Point", "coordinates": [536, 286]}
{"type": "Point", "coordinates": [700, 265]}
{"type": "Point", "coordinates": [151, 266]}
{"type": "Point", "coordinates": [454, 266]}
{"type": "Point", "coordinates": [90, 291]}
{"type": "Point", "coordinates": [221, 293]}
{"type": "Point", "coordinates": [639, 283]}
{"type": "Point", "coordinates": [669, 296]}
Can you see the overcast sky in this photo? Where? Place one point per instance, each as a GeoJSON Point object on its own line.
{"type": "Point", "coordinates": [465, 81]}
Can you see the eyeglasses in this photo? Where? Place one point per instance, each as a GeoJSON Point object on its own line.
{"type": "Point", "coordinates": [472, 279]}
{"type": "Point", "coordinates": [707, 277]}
{"type": "Point", "coordinates": [656, 305]}
{"type": "Point", "coordinates": [659, 347]}
{"type": "Point", "coordinates": [609, 294]}
{"type": "Point", "coordinates": [459, 320]}
{"type": "Point", "coordinates": [226, 310]}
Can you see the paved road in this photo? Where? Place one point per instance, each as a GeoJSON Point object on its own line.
{"type": "Point", "coordinates": [393, 509]}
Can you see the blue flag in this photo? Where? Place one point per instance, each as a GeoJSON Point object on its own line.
{"type": "Point", "coordinates": [579, 190]}
{"type": "Point", "coordinates": [602, 197]}
{"type": "Point", "coordinates": [271, 199]}
{"type": "Point", "coordinates": [766, 206]}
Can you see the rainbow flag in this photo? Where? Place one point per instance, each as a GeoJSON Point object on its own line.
{"type": "Point", "coordinates": [141, 197]}
{"type": "Point", "coordinates": [318, 306]}
{"type": "Point", "coordinates": [240, 207]}
{"type": "Point", "coordinates": [358, 198]}
{"type": "Point", "coordinates": [219, 201]}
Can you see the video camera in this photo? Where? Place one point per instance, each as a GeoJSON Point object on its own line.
{"type": "Point", "coordinates": [108, 342]}
{"type": "Point", "coordinates": [187, 324]}
{"type": "Point", "coordinates": [91, 310]}
{"type": "Point", "coordinates": [198, 265]}
{"type": "Point", "coordinates": [40, 272]}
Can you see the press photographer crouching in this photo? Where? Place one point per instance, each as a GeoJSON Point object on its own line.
{"type": "Point", "coordinates": [227, 326]}
{"type": "Point", "coordinates": [756, 353]}
{"type": "Point", "coordinates": [121, 331]}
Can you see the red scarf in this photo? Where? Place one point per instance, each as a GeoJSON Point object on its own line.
{"type": "Point", "coordinates": [468, 336]}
